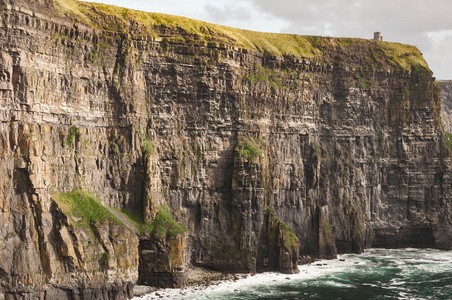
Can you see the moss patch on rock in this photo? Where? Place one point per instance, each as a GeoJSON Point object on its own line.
{"type": "Point", "coordinates": [164, 225]}
{"type": "Point", "coordinates": [249, 150]}
{"type": "Point", "coordinates": [73, 133]}
{"type": "Point", "coordinates": [448, 140]}
{"type": "Point", "coordinates": [284, 231]}
{"type": "Point", "coordinates": [83, 209]}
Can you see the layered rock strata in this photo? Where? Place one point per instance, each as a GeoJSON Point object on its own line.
{"type": "Point", "coordinates": [446, 101]}
{"type": "Point", "coordinates": [223, 155]}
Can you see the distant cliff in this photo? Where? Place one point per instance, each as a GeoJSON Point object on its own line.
{"type": "Point", "coordinates": [136, 145]}
{"type": "Point", "coordinates": [446, 100]}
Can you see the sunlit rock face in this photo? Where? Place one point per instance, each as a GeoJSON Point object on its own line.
{"type": "Point", "coordinates": [233, 159]}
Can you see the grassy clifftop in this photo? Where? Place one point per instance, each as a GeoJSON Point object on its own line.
{"type": "Point", "coordinates": [117, 19]}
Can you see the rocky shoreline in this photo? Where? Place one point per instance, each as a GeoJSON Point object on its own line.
{"type": "Point", "coordinates": [198, 278]}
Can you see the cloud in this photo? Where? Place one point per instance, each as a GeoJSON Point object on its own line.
{"type": "Point", "coordinates": [227, 12]}
{"type": "Point", "coordinates": [242, 14]}
{"type": "Point", "coordinates": [439, 56]}
{"type": "Point", "coordinates": [352, 15]}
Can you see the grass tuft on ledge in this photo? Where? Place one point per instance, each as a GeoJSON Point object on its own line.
{"type": "Point", "coordinates": [162, 226]}
{"type": "Point", "coordinates": [83, 209]}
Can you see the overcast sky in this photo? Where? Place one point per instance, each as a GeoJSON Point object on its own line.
{"type": "Point", "coordinates": [426, 24]}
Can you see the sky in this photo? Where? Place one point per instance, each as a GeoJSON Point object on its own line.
{"type": "Point", "coordinates": [426, 24]}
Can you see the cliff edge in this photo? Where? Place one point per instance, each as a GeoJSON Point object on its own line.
{"type": "Point", "coordinates": [135, 145]}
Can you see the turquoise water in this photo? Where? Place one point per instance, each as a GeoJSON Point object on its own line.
{"type": "Point", "coordinates": [376, 274]}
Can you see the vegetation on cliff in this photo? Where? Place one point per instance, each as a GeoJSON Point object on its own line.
{"type": "Point", "coordinates": [115, 19]}
{"type": "Point", "coordinates": [448, 140]}
{"type": "Point", "coordinates": [86, 212]}
{"type": "Point", "coordinates": [164, 225]}
{"type": "Point", "coordinates": [83, 209]}
{"type": "Point", "coordinates": [249, 150]}
{"type": "Point", "coordinates": [73, 132]}
{"type": "Point", "coordinates": [284, 231]}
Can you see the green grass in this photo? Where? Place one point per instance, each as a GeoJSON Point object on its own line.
{"type": "Point", "coordinates": [273, 43]}
{"type": "Point", "coordinates": [149, 147]}
{"type": "Point", "coordinates": [249, 150]}
{"type": "Point", "coordinates": [163, 224]}
{"type": "Point", "coordinates": [135, 218]}
{"type": "Point", "coordinates": [448, 140]}
{"type": "Point", "coordinates": [262, 74]}
{"type": "Point", "coordinates": [116, 19]}
{"type": "Point", "coordinates": [404, 57]}
{"type": "Point", "coordinates": [289, 238]}
{"type": "Point", "coordinates": [83, 209]}
{"type": "Point", "coordinates": [104, 258]}
{"type": "Point", "coordinates": [71, 8]}
{"type": "Point", "coordinates": [73, 131]}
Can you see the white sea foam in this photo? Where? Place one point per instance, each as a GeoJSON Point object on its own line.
{"type": "Point", "coordinates": [262, 281]}
{"type": "Point", "coordinates": [327, 273]}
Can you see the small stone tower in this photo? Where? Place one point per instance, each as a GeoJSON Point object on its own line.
{"type": "Point", "coordinates": [378, 36]}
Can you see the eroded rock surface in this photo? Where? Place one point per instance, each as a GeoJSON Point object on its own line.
{"type": "Point", "coordinates": [262, 159]}
{"type": "Point", "coordinates": [446, 100]}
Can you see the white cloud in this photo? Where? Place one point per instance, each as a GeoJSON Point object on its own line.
{"type": "Point", "coordinates": [227, 13]}
{"type": "Point", "coordinates": [243, 14]}
{"type": "Point", "coordinates": [440, 36]}
{"type": "Point", "coordinates": [439, 56]}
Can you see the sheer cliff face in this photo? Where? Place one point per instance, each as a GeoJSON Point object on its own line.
{"type": "Point", "coordinates": [263, 159]}
{"type": "Point", "coordinates": [446, 100]}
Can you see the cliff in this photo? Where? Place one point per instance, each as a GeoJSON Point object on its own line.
{"type": "Point", "coordinates": [135, 145]}
{"type": "Point", "coordinates": [446, 100]}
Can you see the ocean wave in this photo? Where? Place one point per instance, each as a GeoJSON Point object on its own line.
{"type": "Point", "coordinates": [376, 274]}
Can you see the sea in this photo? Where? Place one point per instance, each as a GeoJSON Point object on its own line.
{"type": "Point", "coordinates": [411, 274]}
